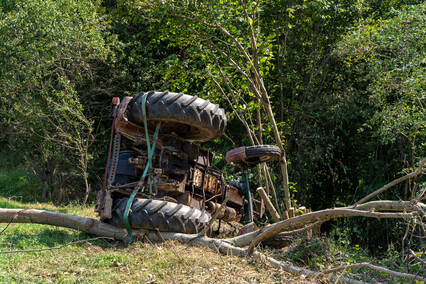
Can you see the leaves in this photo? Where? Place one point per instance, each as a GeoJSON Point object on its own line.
{"type": "Point", "coordinates": [389, 54]}
{"type": "Point", "coordinates": [49, 50]}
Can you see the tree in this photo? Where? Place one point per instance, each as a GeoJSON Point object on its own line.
{"type": "Point", "coordinates": [389, 58]}
{"type": "Point", "coordinates": [50, 51]}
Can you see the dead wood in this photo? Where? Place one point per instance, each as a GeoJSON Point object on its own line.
{"type": "Point", "coordinates": [228, 249]}
{"type": "Point", "coordinates": [275, 216]}
{"type": "Point", "coordinates": [375, 267]}
{"type": "Point", "coordinates": [245, 245]}
{"type": "Point", "coordinates": [418, 171]}
{"type": "Point", "coordinates": [234, 246]}
{"type": "Point", "coordinates": [413, 254]}
{"type": "Point", "coordinates": [391, 205]}
{"type": "Point", "coordinates": [87, 225]}
{"type": "Point", "coordinates": [322, 215]}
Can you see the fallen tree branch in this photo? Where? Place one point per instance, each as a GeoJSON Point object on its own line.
{"type": "Point", "coordinates": [299, 226]}
{"type": "Point", "coordinates": [323, 215]}
{"type": "Point", "coordinates": [11, 221]}
{"type": "Point", "coordinates": [418, 171]}
{"type": "Point", "coordinates": [224, 246]}
{"type": "Point", "coordinates": [374, 267]}
{"type": "Point", "coordinates": [308, 273]}
{"type": "Point", "coordinates": [55, 248]}
{"type": "Point", "coordinates": [246, 239]}
{"type": "Point", "coordinates": [391, 205]}
{"type": "Point", "coordinates": [86, 225]}
{"type": "Point", "coordinates": [413, 254]}
{"type": "Point", "coordinates": [227, 249]}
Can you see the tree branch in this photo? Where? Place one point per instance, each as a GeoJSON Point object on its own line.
{"type": "Point", "coordinates": [323, 215]}
{"type": "Point", "coordinates": [86, 225]}
{"type": "Point", "coordinates": [418, 171]}
{"type": "Point", "coordinates": [374, 267]}
{"type": "Point", "coordinates": [56, 248]}
{"type": "Point", "coordinates": [225, 246]}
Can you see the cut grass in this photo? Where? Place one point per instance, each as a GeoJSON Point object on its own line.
{"type": "Point", "coordinates": [105, 261]}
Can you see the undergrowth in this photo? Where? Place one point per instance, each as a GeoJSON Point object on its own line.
{"type": "Point", "coordinates": [324, 253]}
{"type": "Point", "coordinates": [16, 182]}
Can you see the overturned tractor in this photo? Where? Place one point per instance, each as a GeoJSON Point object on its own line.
{"type": "Point", "coordinates": [157, 178]}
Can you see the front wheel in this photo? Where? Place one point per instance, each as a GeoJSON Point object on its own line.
{"type": "Point", "coordinates": [253, 155]}
{"type": "Point", "coordinates": [165, 216]}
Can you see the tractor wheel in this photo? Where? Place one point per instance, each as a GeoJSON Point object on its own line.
{"type": "Point", "coordinates": [253, 155]}
{"type": "Point", "coordinates": [262, 153]}
{"type": "Point", "coordinates": [190, 117]}
{"type": "Point", "coordinates": [165, 216]}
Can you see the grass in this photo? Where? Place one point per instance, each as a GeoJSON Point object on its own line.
{"type": "Point", "coordinates": [105, 261]}
{"type": "Point", "coordinates": [19, 185]}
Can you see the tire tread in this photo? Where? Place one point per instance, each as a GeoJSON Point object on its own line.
{"type": "Point", "coordinates": [206, 120]}
{"type": "Point", "coordinates": [162, 215]}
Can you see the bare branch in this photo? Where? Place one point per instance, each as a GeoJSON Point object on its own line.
{"type": "Point", "coordinates": [214, 217]}
{"type": "Point", "coordinates": [222, 245]}
{"type": "Point", "coordinates": [413, 254]}
{"type": "Point", "coordinates": [374, 267]}
{"type": "Point", "coordinates": [236, 110]}
{"type": "Point", "coordinates": [11, 220]}
{"type": "Point", "coordinates": [307, 273]}
{"type": "Point", "coordinates": [323, 215]}
{"type": "Point", "coordinates": [419, 197]}
{"type": "Point", "coordinates": [393, 183]}
{"type": "Point", "coordinates": [238, 67]}
{"type": "Point", "coordinates": [391, 205]}
{"type": "Point", "coordinates": [268, 175]}
{"type": "Point", "coordinates": [86, 225]}
{"type": "Point", "coordinates": [58, 247]}
{"type": "Point", "coordinates": [269, 204]}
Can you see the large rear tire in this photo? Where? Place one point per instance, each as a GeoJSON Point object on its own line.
{"type": "Point", "coordinates": [162, 215]}
{"type": "Point", "coordinates": [190, 117]}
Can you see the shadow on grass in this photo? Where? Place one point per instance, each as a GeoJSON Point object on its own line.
{"type": "Point", "coordinates": [49, 236]}
{"type": "Point", "coordinates": [11, 203]}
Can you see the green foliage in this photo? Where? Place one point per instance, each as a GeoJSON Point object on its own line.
{"type": "Point", "coordinates": [389, 55]}
{"type": "Point", "coordinates": [15, 181]}
{"type": "Point", "coordinates": [50, 52]}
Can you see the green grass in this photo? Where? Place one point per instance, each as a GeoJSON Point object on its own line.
{"type": "Point", "coordinates": [19, 185]}
{"type": "Point", "coordinates": [105, 261]}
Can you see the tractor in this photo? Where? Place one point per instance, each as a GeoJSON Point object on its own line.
{"type": "Point", "coordinates": [156, 178]}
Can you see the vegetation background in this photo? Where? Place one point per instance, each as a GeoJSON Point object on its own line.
{"type": "Point", "coordinates": [346, 83]}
